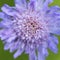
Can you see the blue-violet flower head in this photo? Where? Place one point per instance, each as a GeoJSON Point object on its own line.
{"type": "Point", "coordinates": [29, 27]}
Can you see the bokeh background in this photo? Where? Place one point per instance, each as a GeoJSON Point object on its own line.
{"type": "Point", "coordinates": [6, 55]}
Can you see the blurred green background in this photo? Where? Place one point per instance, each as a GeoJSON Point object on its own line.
{"type": "Point", "coordinates": [6, 55]}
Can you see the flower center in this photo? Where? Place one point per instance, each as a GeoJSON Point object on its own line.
{"type": "Point", "coordinates": [30, 25]}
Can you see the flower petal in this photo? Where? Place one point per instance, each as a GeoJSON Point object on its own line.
{"type": "Point", "coordinates": [55, 27]}
{"type": "Point", "coordinates": [40, 56]}
{"type": "Point", "coordinates": [52, 46]}
{"type": "Point", "coordinates": [54, 39]}
{"type": "Point", "coordinates": [19, 52]}
{"type": "Point", "coordinates": [8, 10]}
{"type": "Point", "coordinates": [4, 16]}
{"type": "Point", "coordinates": [5, 24]}
{"type": "Point", "coordinates": [1, 14]}
{"type": "Point", "coordinates": [20, 3]}
{"type": "Point", "coordinates": [54, 22]}
{"type": "Point", "coordinates": [32, 56]}
{"type": "Point", "coordinates": [47, 2]}
{"type": "Point", "coordinates": [54, 8]}
{"type": "Point", "coordinates": [15, 46]}
{"type": "Point", "coordinates": [11, 38]}
{"type": "Point", "coordinates": [7, 46]}
{"type": "Point", "coordinates": [39, 4]}
{"type": "Point", "coordinates": [4, 34]}
{"type": "Point", "coordinates": [36, 4]}
{"type": "Point", "coordinates": [42, 52]}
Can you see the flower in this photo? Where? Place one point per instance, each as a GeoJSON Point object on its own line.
{"type": "Point", "coordinates": [30, 27]}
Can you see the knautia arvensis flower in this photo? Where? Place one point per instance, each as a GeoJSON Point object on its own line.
{"type": "Point", "coordinates": [30, 27]}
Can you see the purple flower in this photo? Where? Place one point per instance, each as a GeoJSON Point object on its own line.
{"type": "Point", "coordinates": [30, 27]}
